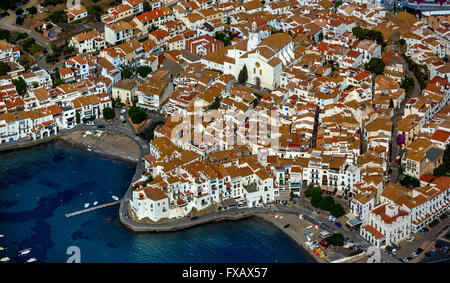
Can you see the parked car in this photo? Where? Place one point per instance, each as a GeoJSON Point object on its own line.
{"type": "Point", "coordinates": [338, 224]}
{"type": "Point", "coordinates": [123, 111]}
{"type": "Point", "coordinates": [287, 225]}
{"type": "Point", "coordinates": [410, 239]}
{"type": "Point", "coordinates": [417, 252]}
{"type": "Point", "coordinates": [332, 218]}
{"type": "Point", "coordinates": [396, 246]}
{"type": "Point", "coordinates": [194, 218]}
{"type": "Point", "coordinates": [101, 126]}
{"type": "Point", "coordinates": [425, 229]}
{"type": "Point", "coordinates": [90, 123]}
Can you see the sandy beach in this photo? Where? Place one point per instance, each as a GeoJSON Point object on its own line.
{"type": "Point", "coordinates": [108, 144]}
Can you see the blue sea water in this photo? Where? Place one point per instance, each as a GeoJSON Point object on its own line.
{"type": "Point", "coordinates": [39, 185]}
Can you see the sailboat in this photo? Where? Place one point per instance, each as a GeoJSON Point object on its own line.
{"type": "Point", "coordinates": [86, 205]}
{"type": "Point", "coordinates": [31, 259]}
{"type": "Point", "coordinates": [95, 202]}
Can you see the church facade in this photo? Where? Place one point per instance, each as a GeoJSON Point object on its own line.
{"type": "Point", "coordinates": [263, 59]}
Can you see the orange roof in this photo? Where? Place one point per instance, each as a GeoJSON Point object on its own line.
{"type": "Point", "coordinates": [377, 234]}
{"type": "Point", "coordinates": [441, 135]}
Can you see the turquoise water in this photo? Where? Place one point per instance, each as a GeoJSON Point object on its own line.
{"type": "Point", "coordinates": [39, 185]}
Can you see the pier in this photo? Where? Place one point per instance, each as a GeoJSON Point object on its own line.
{"type": "Point", "coordinates": [92, 208]}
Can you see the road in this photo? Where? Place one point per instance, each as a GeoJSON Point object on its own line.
{"type": "Point", "coordinates": [9, 23]}
{"type": "Point", "coordinates": [398, 114]}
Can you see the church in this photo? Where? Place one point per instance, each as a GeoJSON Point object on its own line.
{"type": "Point", "coordinates": [264, 59]}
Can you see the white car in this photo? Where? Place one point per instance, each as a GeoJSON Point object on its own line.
{"type": "Point", "coordinates": [410, 239]}
{"type": "Point", "coordinates": [123, 111]}
{"type": "Point", "coordinates": [90, 123]}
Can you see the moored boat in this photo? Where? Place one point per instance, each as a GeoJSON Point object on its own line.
{"type": "Point", "coordinates": [25, 251]}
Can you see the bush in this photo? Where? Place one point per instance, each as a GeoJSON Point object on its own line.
{"type": "Point", "coordinates": [353, 253]}
{"type": "Point", "coordinates": [337, 239]}
{"type": "Point", "coordinates": [108, 113]}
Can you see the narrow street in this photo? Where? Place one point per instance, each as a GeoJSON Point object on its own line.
{"type": "Point", "coordinates": [398, 114]}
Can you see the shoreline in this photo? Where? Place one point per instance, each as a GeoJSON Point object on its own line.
{"type": "Point", "coordinates": [62, 137]}
{"type": "Point", "coordinates": [149, 228]}
{"type": "Point", "coordinates": [308, 253]}
{"type": "Point", "coordinates": [82, 147]}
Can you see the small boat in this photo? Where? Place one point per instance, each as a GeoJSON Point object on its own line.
{"type": "Point", "coordinates": [95, 202]}
{"type": "Point", "coordinates": [86, 205]}
{"type": "Point", "coordinates": [31, 259]}
{"type": "Point", "coordinates": [115, 198]}
{"type": "Point", "coordinates": [25, 251]}
{"type": "Point", "coordinates": [5, 259]}
{"type": "Point", "coordinates": [89, 149]}
{"type": "Point", "coordinates": [1, 236]}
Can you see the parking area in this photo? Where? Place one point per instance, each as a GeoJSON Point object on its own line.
{"type": "Point", "coordinates": [414, 251]}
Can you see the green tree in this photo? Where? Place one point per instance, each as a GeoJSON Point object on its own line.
{"type": "Point", "coordinates": [95, 10]}
{"type": "Point", "coordinates": [316, 200]}
{"type": "Point", "coordinates": [439, 171]}
{"type": "Point", "coordinates": [215, 104]}
{"type": "Point", "coordinates": [77, 118]}
{"type": "Point", "coordinates": [137, 114]}
{"type": "Point", "coordinates": [4, 68]}
{"type": "Point", "coordinates": [326, 203]}
{"type": "Point", "coordinates": [32, 10]}
{"type": "Point", "coordinates": [126, 73]}
{"type": "Point", "coordinates": [58, 17]}
{"type": "Point", "coordinates": [5, 35]}
{"type": "Point", "coordinates": [243, 75]}
{"type": "Point", "coordinates": [147, 7]}
{"type": "Point", "coordinates": [375, 65]}
{"type": "Point", "coordinates": [312, 190]}
{"type": "Point", "coordinates": [337, 210]}
{"type": "Point", "coordinates": [337, 239]}
{"type": "Point", "coordinates": [21, 86]}
{"type": "Point", "coordinates": [108, 113]}
{"type": "Point", "coordinates": [143, 71]}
